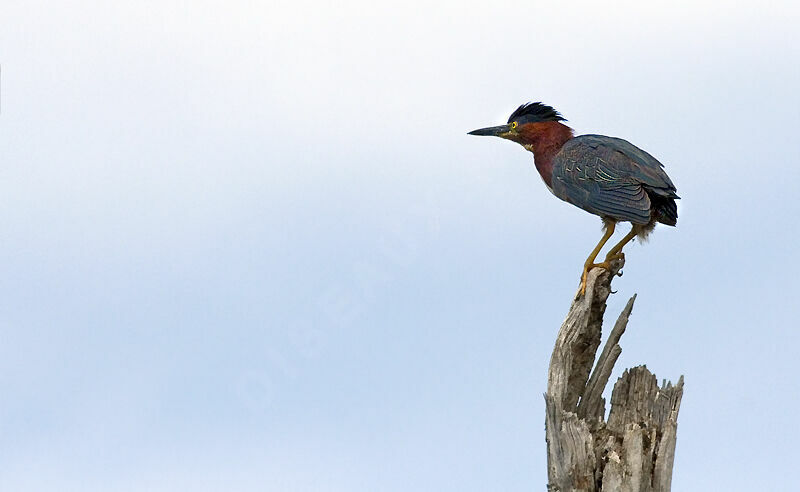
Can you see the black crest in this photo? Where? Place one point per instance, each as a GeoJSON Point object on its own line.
{"type": "Point", "coordinates": [533, 112]}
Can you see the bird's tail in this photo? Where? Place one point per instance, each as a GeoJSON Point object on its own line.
{"type": "Point", "coordinates": [665, 210]}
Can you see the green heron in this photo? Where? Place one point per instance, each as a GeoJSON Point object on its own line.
{"type": "Point", "coordinates": [605, 176]}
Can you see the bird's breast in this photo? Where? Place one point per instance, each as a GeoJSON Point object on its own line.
{"type": "Point", "coordinates": [545, 168]}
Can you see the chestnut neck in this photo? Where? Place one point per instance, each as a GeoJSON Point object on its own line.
{"type": "Point", "coordinates": [545, 139]}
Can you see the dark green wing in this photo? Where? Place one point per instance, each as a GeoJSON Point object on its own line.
{"type": "Point", "coordinates": [610, 177]}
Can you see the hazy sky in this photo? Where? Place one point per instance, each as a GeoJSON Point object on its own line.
{"type": "Point", "coordinates": [249, 246]}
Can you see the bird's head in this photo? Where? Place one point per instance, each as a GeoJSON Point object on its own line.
{"type": "Point", "coordinates": [527, 125]}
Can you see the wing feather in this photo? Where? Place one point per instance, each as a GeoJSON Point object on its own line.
{"type": "Point", "coordinates": [609, 177]}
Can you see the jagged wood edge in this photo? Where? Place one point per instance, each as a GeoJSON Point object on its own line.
{"type": "Point", "coordinates": [591, 404]}
{"type": "Point", "coordinates": [584, 458]}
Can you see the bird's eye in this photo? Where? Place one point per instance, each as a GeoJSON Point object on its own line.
{"type": "Point", "coordinates": [513, 125]}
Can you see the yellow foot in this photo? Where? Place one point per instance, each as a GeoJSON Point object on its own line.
{"type": "Point", "coordinates": [616, 256]}
{"type": "Point", "coordinates": [586, 268]}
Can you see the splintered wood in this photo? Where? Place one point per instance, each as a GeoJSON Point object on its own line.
{"type": "Point", "coordinates": [633, 451]}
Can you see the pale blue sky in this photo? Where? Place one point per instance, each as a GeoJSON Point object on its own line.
{"type": "Point", "coordinates": [249, 246]}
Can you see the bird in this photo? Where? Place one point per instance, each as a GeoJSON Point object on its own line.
{"type": "Point", "coordinates": [605, 176]}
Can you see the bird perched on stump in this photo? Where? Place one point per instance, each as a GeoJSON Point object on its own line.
{"type": "Point", "coordinates": [605, 176]}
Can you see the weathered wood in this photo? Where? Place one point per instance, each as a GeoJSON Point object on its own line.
{"type": "Point", "coordinates": [591, 404]}
{"type": "Point", "coordinates": [634, 449]}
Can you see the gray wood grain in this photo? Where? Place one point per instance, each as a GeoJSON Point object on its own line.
{"type": "Point", "coordinates": [634, 449]}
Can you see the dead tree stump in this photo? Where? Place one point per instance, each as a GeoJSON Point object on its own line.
{"type": "Point", "coordinates": [633, 450]}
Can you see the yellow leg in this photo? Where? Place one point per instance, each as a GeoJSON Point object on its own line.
{"type": "Point", "coordinates": [616, 251]}
{"type": "Point", "coordinates": [590, 260]}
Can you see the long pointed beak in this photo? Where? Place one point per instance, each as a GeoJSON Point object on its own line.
{"type": "Point", "coordinates": [492, 131]}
